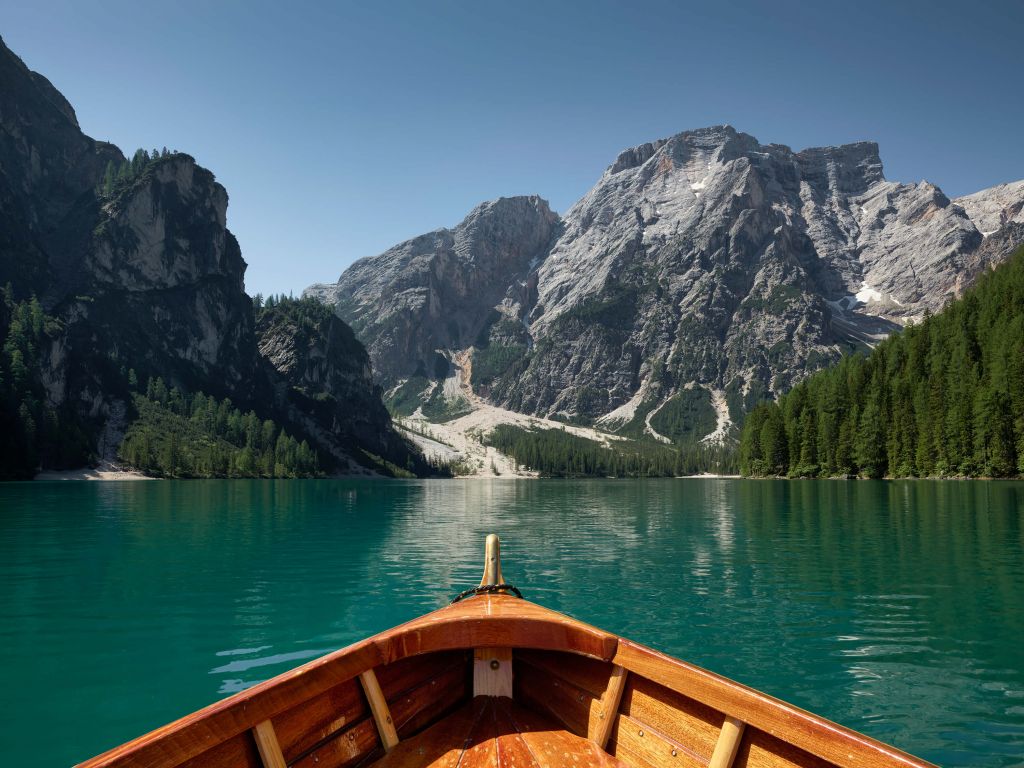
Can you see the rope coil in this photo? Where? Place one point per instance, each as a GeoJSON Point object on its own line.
{"type": "Point", "coordinates": [487, 589]}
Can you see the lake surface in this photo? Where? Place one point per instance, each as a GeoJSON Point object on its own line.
{"type": "Point", "coordinates": [896, 608]}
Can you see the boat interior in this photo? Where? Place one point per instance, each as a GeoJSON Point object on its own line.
{"type": "Point", "coordinates": [499, 681]}
{"type": "Point", "coordinates": [495, 680]}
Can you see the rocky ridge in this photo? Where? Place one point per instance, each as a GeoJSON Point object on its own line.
{"type": "Point", "coordinates": [702, 273]}
{"type": "Point", "coordinates": [145, 276]}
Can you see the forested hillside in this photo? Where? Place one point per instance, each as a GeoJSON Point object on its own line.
{"type": "Point", "coordinates": [940, 399]}
{"type": "Point", "coordinates": [556, 453]}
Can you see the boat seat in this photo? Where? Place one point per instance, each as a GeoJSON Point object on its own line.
{"type": "Point", "coordinates": [497, 732]}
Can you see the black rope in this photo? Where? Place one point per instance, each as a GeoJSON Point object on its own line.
{"type": "Point", "coordinates": [487, 590]}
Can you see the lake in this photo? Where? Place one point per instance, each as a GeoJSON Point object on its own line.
{"type": "Point", "coordinates": [895, 608]}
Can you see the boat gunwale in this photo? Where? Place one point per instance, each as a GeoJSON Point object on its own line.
{"type": "Point", "coordinates": [488, 621]}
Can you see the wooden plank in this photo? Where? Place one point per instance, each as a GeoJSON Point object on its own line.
{"type": "Point", "coordinates": [481, 746]}
{"type": "Point", "coordinates": [600, 731]}
{"type": "Point", "coordinates": [816, 735]}
{"type": "Point", "coordinates": [640, 745]}
{"type": "Point", "coordinates": [237, 752]}
{"type": "Point", "coordinates": [511, 749]}
{"type": "Point", "coordinates": [728, 743]}
{"type": "Point", "coordinates": [553, 747]}
{"type": "Point", "coordinates": [589, 674]}
{"type": "Point", "coordinates": [563, 702]}
{"type": "Point", "coordinates": [345, 748]}
{"type": "Point", "coordinates": [410, 673]}
{"type": "Point", "coordinates": [266, 743]}
{"type": "Point", "coordinates": [441, 745]}
{"type": "Point", "coordinates": [418, 708]}
{"type": "Point", "coordinates": [759, 750]}
{"type": "Point", "coordinates": [682, 719]}
{"type": "Point", "coordinates": [302, 727]}
{"type": "Point", "coordinates": [492, 672]}
{"type": "Point", "coordinates": [379, 709]}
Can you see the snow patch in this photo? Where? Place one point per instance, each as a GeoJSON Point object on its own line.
{"type": "Point", "coordinates": [867, 293]}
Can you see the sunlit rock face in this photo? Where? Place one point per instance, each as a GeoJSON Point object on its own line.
{"type": "Point", "coordinates": [706, 263]}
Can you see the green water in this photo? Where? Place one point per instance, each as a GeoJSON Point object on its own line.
{"type": "Point", "coordinates": [896, 608]}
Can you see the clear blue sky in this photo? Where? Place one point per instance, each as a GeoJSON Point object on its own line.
{"type": "Point", "coordinates": [340, 129]}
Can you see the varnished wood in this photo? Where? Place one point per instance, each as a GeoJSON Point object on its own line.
{"type": "Point", "coordinates": [681, 719]}
{"type": "Point", "coordinates": [492, 672]}
{"type": "Point", "coordinates": [266, 743]}
{"type": "Point", "coordinates": [485, 621]}
{"type": "Point", "coordinates": [588, 674]}
{"type": "Point", "coordinates": [638, 744]}
{"type": "Point", "coordinates": [311, 722]}
{"type": "Point", "coordinates": [829, 741]}
{"type": "Point", "coordinates": [728, 743]}
{"type": "Point", "coordinates": [380, 710]}
{"type": "Point", "coordinates": [609, 707]}
{"type": "Point", "coordinates": [492, 562]}
{"type": "Point", "coordinates": [558, 667]}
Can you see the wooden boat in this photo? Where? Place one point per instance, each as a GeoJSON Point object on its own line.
{"type": "Point", "coordinates": [494, 680]}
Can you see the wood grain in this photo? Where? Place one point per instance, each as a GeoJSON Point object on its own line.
{"type": "Point", "coordinates": [492, 672]}
{"type": "Point", "coordinates": [640, 745]}
{"type": "Point", "coordinates": [589, 674]}
{"type": "Point", "coordinates": [610, 701]}
{"type": "Point", "coordinates": [379, 709]}
{"type": "Point", "coordinates": [728, 743]}
{"type": "Point", "coordinates": [485, 621]}
{"type": "Point", "coordinates": [302, 727]}
{"type": "Point", "coordinates": [680, 718]}
{"type": "Point", "coordinates": [266, 744]}
{"type": "Point", "coordinates": [816, 735]}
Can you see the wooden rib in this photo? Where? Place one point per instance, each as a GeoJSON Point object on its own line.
{"type": "Point", "coordinates": [728, 743]}
{"type": "Point", "coordinates": [488, 681]}
{"type": "Point", "coordinates": [813, 734]}
{"type": "Point", "coordinates": [609, 707]}
{"type": "Point", "coordinates": [379, 709]}
{"type": "Point", "coordinates": [266, 743]}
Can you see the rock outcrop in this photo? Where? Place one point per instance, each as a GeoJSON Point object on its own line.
{"type": "Point", "coordinates": [701, 274]}
{"type": "Point", "coordinates": [141, 274]}
{"type": "Point", "coordinates": [436, 293]}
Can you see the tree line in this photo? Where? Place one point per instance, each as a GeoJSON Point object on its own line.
{"type": "Point", "coordinates": [33, 433]}
{"type": "Point", "coordinates": [943, 398]}
{"type": "Point", "coordinates": [177, 434]}
{"type": "Point", "coordinates": [558, 453]}
{"type": "Point", "coordinates": [120, 175]}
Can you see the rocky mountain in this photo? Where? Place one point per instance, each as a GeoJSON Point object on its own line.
{"type": "Point", "coordinates": [701, 274]}
{"type": "Point", "coordinates": [136, 272]}
{"type": "Point", "coordinates": [436, 292]}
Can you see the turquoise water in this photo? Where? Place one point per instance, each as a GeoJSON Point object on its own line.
{"type": "Point", "coordinates": [896, 608]}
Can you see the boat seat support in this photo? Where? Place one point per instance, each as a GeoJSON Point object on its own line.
{"type": "Point", "coordinates": [379, 708]}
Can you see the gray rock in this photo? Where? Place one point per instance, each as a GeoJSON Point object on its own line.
{"type": "Point", "coordinates": [706, 260]}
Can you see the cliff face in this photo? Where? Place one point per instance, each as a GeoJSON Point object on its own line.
{"type": "Point", "coordinates": [323, 379]}
{"type": "Point", "coordinates": [437, 292]}
{"type": "Point", "coordinates": [703, 272]}
{"type": "Point", "coordinates": [140, 273]}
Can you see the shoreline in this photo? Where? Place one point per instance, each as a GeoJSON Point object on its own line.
{"type": "Point", "coordinates": [92, 474]}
